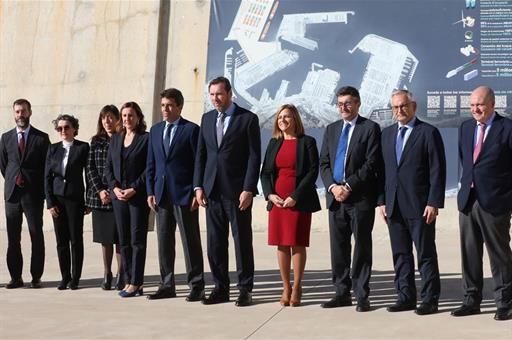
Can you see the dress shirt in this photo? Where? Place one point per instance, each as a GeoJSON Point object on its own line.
{"type": "Point", "coordinates": [25, 133]}
{"type": "Point", "coordinates": [410, 126]}
{"type": "Point", "coordinates": [172, 126]}
{"type": "Point", "coordinates": [488, 124]}
{"type": "Point", "coordinates": [350, 132]}
{"type": "Point", "coordinates": [66, 145]}
{"type": "Point", "coordinates": [229, 112]}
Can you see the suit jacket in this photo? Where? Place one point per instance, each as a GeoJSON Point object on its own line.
{"type": "Point", "coordinates": [130, 172]}
{"type": "Point", "coordinates": [95, 173]}
{"type": "Point", "coordinates": [420, 177]}
{"type": "Point", "coordinates": [69, 184]}
{"type": "Point", "coordinates": [362, 162]}
{"type": "Point", "coordinates": [306, 172]}
{"type": "Point", "coordinates": [492, 171]}
{"type": "Point", "coordinates": [31, 163]}
{"type": "Point", "coordinates": [235, 165]}
{"type": "Point", "coordinates": [174, 172]}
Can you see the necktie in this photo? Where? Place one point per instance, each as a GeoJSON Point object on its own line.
{"type": "Point", "coordinates": [21, 147]}
{"type": "Point", "coordinates": [339, 162]}
{"type": "Point", "coordinates": [400, 143]}
{"type": "Point", "coordinates": [167, 139]}
{"type": "Point", "coordinates": [479, 143]}
{"type": "Point", "coordinates": [220, 127]}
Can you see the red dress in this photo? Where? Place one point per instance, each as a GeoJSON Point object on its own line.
{"type": "Point", "coordinates": [287, 226]}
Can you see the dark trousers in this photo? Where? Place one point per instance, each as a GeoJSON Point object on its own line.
{"type": "Point", "coordinates": [69, 227]}
{"type": "Point", "coordinates": [132, 227]}
{"type": "Point", "coordinates": [403, 232]}
{"type": "Point", "coordinates": [168, 216]}
{"type": "Point", "coordinates": [346, 220]}
{"type": "Point", "coordinates": [31, 205]}
{"type": "Point", "coordinates": [219, 214]}
{"type": "Point", "coordinates": [478, 227]}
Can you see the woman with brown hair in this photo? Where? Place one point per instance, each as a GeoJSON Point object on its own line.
{"type": "Point", "coordinates": [288, 176]}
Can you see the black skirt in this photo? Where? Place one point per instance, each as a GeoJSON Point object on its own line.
{"type": "Point", "coordinates": [104, 227]}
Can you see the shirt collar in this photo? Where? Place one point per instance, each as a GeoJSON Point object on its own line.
{"type": "Point", "coordinates": [173, 123]}
{"type": "Point", "coordinates": [25, 132]}
{"type": "Point", "coordinates": [351, 122]}
{"type": "Point", "coordinates": [489, 121]}
{"type": "Point", "coordinates": [410, 124]}
{"type": "Point", "coordinates": [67, 144]}
{"type": "Point", "coordinates": [229, 111]}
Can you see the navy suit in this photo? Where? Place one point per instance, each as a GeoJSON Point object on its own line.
{"type": "Point", "coordinates": [224, 172]}
{"type": "Point", "coordinates": [485, 209]}
{"type": "Point", "coordinates": [418, 180]}
{"type": "Point", "coordinates": [169, 178]}
{"type": "Point", "coordinates": [28, 200]}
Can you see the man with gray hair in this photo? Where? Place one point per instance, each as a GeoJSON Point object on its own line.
{"type": "Point", "coordinates": [415, 178]}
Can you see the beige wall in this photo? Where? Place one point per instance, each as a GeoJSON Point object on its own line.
{"type": "Point", "coordinates": [77, 56]}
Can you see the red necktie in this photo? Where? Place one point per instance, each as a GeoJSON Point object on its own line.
{"type": "Point", "coordinates": [21, 147]}
{"type": "Point", "coordinates": [479, 143]}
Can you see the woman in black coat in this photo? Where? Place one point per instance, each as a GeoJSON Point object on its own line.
{"type": "Point", "coordinates": [64, 188]}
{"type": "Point", "coordinates": [125, 173]}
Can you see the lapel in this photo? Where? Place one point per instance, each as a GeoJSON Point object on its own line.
{"type": "Point", "coordinates": [413, 137]}
{"type": "Point", "coordinates": [16, 145]}
{"type": "Point", "coordinates": [492, 136]}
{"type": "Point", "coordinates": [59, 156]}
{"type": "Point", "coordinates": [73, 151]}
{"type": "Point", "coordinates": [177, 133]}
{"type": "Point", "coordinates": [233, 121]}
{"type": "Point", "coordinates": [356, 136]}
{"type": "Point", "coordinates": [210, 124]}
{"type": "Point", "coordinates": [132, 146]}
{"type": "Point", "coordinates": [276, 145]}
{"type": "Point", "coordinates": [158, 138]}
{"type": "Point", "coordinates": [299, 160]}
{"type": "Point", "coordinates": [336, 138]}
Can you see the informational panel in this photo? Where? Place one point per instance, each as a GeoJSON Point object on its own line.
{"type": "Point", "coordinates": [300, 52]}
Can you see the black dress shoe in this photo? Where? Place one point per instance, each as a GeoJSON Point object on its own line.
{"type": "Point", "coordinates": [426, 308]}
{"type": "Point", "coordinates": [196, 294]}
{"type": "Point", "coordinates": [363, 305]}
{"type": "Point", "coordinates": [63, 284]}
{"type": "Point", "coordinates": [14, 284]}
{"type": "Point", "coordinates": [107, 282]}
{"type": "Point", "coordinates": [338, 301]}
{"type": "Point", "coordinates": [73, 285]}
{"type": "Point", "coordinates": [465, 310]}
{"type": "Point", "coordinates": [215, 297]}
{"type": "Point", "coordinates": [503, 314]}
{"type": "Point", "coordinates": [400, 306]}
{"type": "Point", "coordinates": [163, 293]}
{"type": "Point", "coordinates": [244, 299]}
{"type": "Point", "coordinates": [119, 282]}
{"type": "Point", "coordinates": [36, 284]}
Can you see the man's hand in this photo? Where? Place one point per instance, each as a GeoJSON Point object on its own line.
{"type": "Point", "coordinates": [245, 200]}
{"type": "Point", "coordinates": [276, 200]}
{"type": "Point", "coordinates": [382, 211]}
{"type": "Point", "coordinates": [340, 193]}
{"type": "Point", "coordinates": [289, 202]}
{"type": "Point", "coordinates": [54, 211]}
{"type": "Point", "coordinates": [430, 214]}
{"type": "Point", "coordinates": [152, 202]}
{"type": "Point", "coordinates": [201, 198]}
{"type": "Point", "coordinates": [194, 205]}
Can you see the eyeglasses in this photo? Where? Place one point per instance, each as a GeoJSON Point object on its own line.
{"type": "Point", "coordinates": [63, 128]}
{"type": "Point", "coordinates": [404, 107]}
{"type": "Point", "coordinates": [348, 104]}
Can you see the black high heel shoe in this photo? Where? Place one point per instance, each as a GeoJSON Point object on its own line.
{"type": "Point", "coordinates": [119, 282]}
{"type": "Point", "coordinates": [107, 282]}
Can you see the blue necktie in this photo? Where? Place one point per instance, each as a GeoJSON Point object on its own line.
{"type": "Point", "coordinates": [167, 139]}
{"type": "Point", "coordinates": [339, 163]}
{"type": "Point", "coordinates": [400, 143]}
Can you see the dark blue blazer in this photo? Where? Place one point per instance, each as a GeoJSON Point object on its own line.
{"type": "Point", "coordinates": [420, 177]}
{"type": "Point", "coordinates": [234, 166]}
{"type": "Point", "coordinates": [131, 172]}
{"type": "Point", "coordinates": [175, 172]}
{"type": "Point", "coordinates": [492, 171]}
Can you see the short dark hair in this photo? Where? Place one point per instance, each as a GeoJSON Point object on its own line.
{"type": "Point", "coordinates": [174, 94]}
{"type": "Point", "coordinates": [69, 118]}
{"type": "Point", "coordinates": [348, 91]}
{"type": "Point", "coordinates": [220, 80]}
{"type": "Point", "coordinates": [22, 101]}
{"type": "Point", "coordinates": [141, 126]}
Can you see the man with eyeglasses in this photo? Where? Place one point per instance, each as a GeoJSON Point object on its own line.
{"type": "Point", "coordinates": [22, 161]}
{"type": "Point", "coordinates": [413, 192]}
{"type": "Point", "coordinates": [350, 161]}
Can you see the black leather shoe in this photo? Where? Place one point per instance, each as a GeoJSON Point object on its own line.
{"type": "Point", "coordinates": [119, 282]}
{"type": "Point", "coordinates": [503, 314]}
{"type": "Point", "coordinates": [63, 284]}
{"type": "Point", "coordinates": [18, 283]}
{"type": "Point", "coordinates": [215, 297]}
{"type": "Point", "coordinates": [73, 285]}
{"type": "Point", "coordinates": [400, 306]}
{"type": "Point", "coordinates": [36, 284]}
{"type": "Point", "coordinates": [244, 299]}
{"type": "Point", "coordinates": [164, 293]}
{"type": "Point", "coordinates": [338, 301]}
{"type": "Point", "coordinates": [196, 294]}
{"type": "Point", "coordinates": [465, 310]}
{"type": "Point", "coordinates": [107, 282]}
{"type": "Point", "coordinates": [363, 305]}
{"type": "Point", "coordinates": [426, 308]}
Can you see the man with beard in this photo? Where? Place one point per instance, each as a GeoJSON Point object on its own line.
{"type": "Point", "coordinates": [22, 160]}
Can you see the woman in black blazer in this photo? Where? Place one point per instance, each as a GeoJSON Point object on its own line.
{"type": "Point", "coordinates": [64, 188]}
{"type": "Point", "coordinates": [288, 176]}
{"type": "Point", "coordinates": [125, 173]}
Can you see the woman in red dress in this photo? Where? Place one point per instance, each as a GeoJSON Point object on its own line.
{"type": "Point", "coordinates": [288, 176]}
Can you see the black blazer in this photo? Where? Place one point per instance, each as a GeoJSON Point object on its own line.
{"type": "Point", "coordinates": [420, 178]}
{"type": "Point", "coordinates": [235, 165]}
{"type": "Point", "coordinates": [492, 171]}
{"type": "Point", "coordinates": [306, 172]}
{"type": "Point", "coordinates": [31, 163]}
{"type": "Point", "coordinates": [363, 162]}
{"type": "Point", "coordinates": [130, 173]}
{"type": "Point", "coordinates": [71, 183]}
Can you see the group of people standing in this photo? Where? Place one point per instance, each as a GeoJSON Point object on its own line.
{"type": "Point", "coordinates": [179, 166]}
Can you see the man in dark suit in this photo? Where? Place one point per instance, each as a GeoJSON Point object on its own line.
{"type": "Point", "coordinates": [349, 163]}
{"type": "Point", "coordinates": [225, 181]}
{"type": "Point", "coordinates": [415, 179]}
{"type": "Point", "coordinates": [169, 173]}
{"type": "Point", "coordinates": [485, 203]}
{"type": "Point", "coordinates": [22, 159]}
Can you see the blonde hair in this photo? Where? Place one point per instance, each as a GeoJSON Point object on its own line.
{"type": "Point", "coordinates": [299, 127]}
